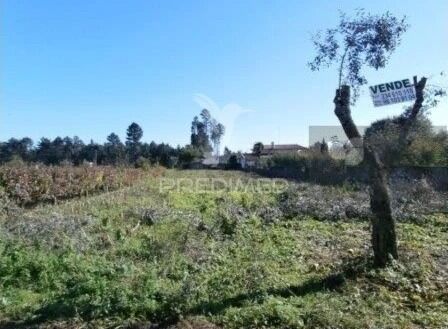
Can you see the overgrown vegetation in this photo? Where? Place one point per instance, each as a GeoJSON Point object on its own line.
{"type": "Point", "coordinates": [30, 184]}
{"type": "Point", "coordinates": [310, 166]}
{"type": "Point", "coordinates": [226, 258]}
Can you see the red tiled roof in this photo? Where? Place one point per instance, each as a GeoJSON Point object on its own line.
{"type": "Point", "coordinates": [267, 149]}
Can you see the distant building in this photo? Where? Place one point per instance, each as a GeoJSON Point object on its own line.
{"type": "Point", "coordinates": [247, 160]}
{"type": "Point", "coordinates": [210, 160]}
{"type": "Point", "coordinates": [273, 149]}
{"type": "Point", "coordinates": [250, 160]}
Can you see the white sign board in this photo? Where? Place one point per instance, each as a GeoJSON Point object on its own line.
{"type": "Point", "coordinates": [392, 92]}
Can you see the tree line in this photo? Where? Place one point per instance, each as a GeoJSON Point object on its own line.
{"type": "Point", "coordinates": [205, 136]}
{"type": "Point", "coordinates": [73, 150]}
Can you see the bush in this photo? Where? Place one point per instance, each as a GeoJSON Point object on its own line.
{"type": "Point", "coordinates": [15, 161]}
{"type": "Point", "coordinates": [426, 147]}
{"type": "Point", "coordinates": [30, 184]}
{"type": "Point", "coordinates": [291, 160]}
{"type": "Point", "coordinates": [326, 170]}
{"type": "Point", "coordinates": [188, 155]}
{"type": "Point", "coordinates": [143, 163]}
{"type": "Point", "coordinates": [232, 163]}
{"type": "Point", "coordinates": [315, 166]}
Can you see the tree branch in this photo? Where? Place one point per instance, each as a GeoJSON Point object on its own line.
{"type": "Point", "coordinates": [416, 108]}
{"type": "Point", "coordinates": [343, 113]}
{"type": "Point", "coordinates": [341, 67]}
{"type": "Point", "coordinates": [418, 104]}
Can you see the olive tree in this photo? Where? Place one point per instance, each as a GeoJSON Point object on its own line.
{"type": "Point", "coordinates": [367, 41]}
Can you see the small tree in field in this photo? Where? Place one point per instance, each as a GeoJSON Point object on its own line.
{"type": "Point", "coordinates": [368, 41]}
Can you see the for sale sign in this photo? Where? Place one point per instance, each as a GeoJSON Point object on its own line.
{"type": "Point", "coordinates": [392, 92]}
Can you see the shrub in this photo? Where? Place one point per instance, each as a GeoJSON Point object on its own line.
{"type": "Point", "coordinates": [188, 155]}
{"type": "Point", "coordinates": [30, 184]}
{"type": "Point", "coordinates": [232, 163]}
{"type": "Point", "coordinates": [143, 163]}
{"type": "Point", "coordinates": [289, 160]}
{"type": "Point", "coordinates": [315, 166]}
{"type": "Point", "coordinates": [326, 170]}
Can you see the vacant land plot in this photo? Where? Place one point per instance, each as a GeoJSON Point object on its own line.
{"type": "Point", "coordinates": [168, 253]}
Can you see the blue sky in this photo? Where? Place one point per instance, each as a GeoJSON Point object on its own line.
{"type": "Point", "coordinates": [89, 68]}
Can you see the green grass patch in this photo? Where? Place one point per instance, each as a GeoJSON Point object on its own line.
{"type": "Point", "coordinates": [141, 255]}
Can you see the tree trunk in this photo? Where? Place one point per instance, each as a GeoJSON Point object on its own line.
{"type": "Point", "coordinates": [384, 240]}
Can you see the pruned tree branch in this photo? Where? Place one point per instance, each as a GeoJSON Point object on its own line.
{"type": "Point", "coordinates": [418, 104]}
{"type": "Point", "coordinates": [415, 110]}
{"type": "Point", "coordinates": [342, 111]}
